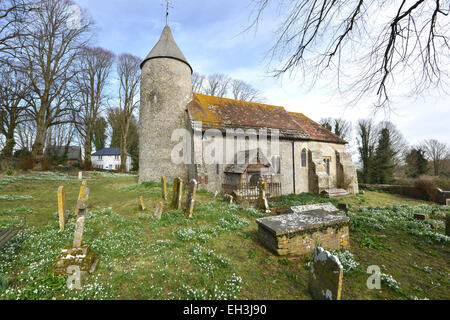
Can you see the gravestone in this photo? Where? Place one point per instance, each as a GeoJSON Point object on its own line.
{"type": "Point", "coordinates": [447, 202]}
{"type": "Point", "coordinates": [190, 201]}
{"type": "Point", "coordinates": [447, 225]}
{"type": "Point", "coordinates": [159, 210]}
{"type": "Point", "coordinates": [325, 279]}
{"type": "Point", "coordinates": [262, 200]}
{"type": "Point", "coordinates": [80, 175]}
{"type": "Point", "coordinates": [62, 212]}
{"type": "Point", "coordinates": [177, 193]}
{"type": "Point", "coordinates": [79, 255]}
{"type": "Point", "coordinates": [141, 203]}
{"type": "Point", "coordinates": [228, 198]}
{"type": "Point", "coordinates": [164, 188]}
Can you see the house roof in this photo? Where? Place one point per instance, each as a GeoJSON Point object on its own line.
{"type": "Point", "coordinates": [166, 47]}
{"type": "Point", "coordinates": [73, 152]}
{"type": "Point", "coordinates": [109, 152]}
{"type": "Point", "coordinates": [222, 113]}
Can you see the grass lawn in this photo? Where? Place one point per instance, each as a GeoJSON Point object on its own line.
{"type": "Point", "coordinates": [215, 254]}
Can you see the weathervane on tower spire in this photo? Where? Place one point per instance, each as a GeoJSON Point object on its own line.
{"type": "Point", "coordinates": [168, 5]}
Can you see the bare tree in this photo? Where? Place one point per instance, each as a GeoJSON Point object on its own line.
{"type": "Point", "coordinates": [241, 90]}
{"type": "Point", "coordinates": [437, 152]}
{"type": "Point", "coordinates": [397, 141]}
{"type": "Point", "coordinates": [13, 90]}
{"type": "Point", "coordinates": [383, 39]}
{"type": "Point", "coordinates": [338, 126]}
{"type": "Point", "coordinates": [50, 44]}
{"type": "Point", "coordinates": [25, 135]}
{"type": "Point", "coordinates": [197, 82]}
{"type": "Point", "coordinates": [95, 65]}
{"type": "Point", "coordinates": [129, 78]}
{"type": "Point", "coordinates": [217, 85]}
{"type": "Point", "coordinates": [13, 14]}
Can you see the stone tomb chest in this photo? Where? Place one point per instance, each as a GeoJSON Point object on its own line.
{"type": "Point", "coordinates": [298, 232]}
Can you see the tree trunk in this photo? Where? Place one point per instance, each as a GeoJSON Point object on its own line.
{"type": "Point", "coordinates": [10, 143]}
{"type": "Point", "coordinates": [123, 153]}
{"type": "Point", "coordinates": [87, 153]}
{"type": "Point", "coordinates": [39, 142]}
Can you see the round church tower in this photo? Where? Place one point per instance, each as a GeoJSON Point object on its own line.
{"type": "Point", "coordinates": [166, 89]}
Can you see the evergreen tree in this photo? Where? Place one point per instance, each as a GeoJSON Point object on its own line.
{"type": "Point", "coordinates": [99, 134]}
{"type": "Point", "coordinates": [416, 163]}
{"type": "Point", "coordinates": [384, 159]}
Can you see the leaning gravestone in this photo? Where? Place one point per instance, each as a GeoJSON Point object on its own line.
{"type": "Point", "coordinates": [228, 198]}
{"type": "Point", "coordinates": [262, 200]}
{"type": "Point", "coordinates": [159, 210]}
{"type": "Point", "coordinates": [325, 280]}
{"type": "Point", "coordinates": [190, 201]}
{"type": "Point", "coordinates": [177, 193]}
{"type": "Point", "coordinates": [447, 225]}
{"type": "Point", "coordinates": [164, 188]}
{"type": "Point", "coordinates": [62, 213]}
{"type": "Point", "coordinates": [79, 255]}
{"type": "Point", "coordinates": [141, 203]}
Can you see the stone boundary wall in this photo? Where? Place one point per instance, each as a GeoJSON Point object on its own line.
{"type": "Point", "coordinates": [409, 191]}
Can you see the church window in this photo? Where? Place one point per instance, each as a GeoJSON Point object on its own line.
{"type": "Point", "coordinates": [276, 164]}
{"type": "Point", "coordinates": [304, 158]}
{"type": "Point", "coordinates": [327, 165]}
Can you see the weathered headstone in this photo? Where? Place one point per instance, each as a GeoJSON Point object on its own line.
{"type": "Point", "coordinates": [177, 193]}
{"type": "Point", "coordinates": [141, 203]}
{"type": "Point", "coordinates": [447, 225]}
{"type": "Point", "coordinates": [81, 214]}
{"type": "Point", "coordinates": [262, 200]}
{"type": "Point", "coordinates": [164, 188]}
{"type": "Point", "coordinates": [447, 202]}
{"type": "Point", "coordinates": [190, 200]}
{"type": "Point", "coordinates": [80, 175]}
{"type": "Point", "coordinates": [228, 198]}
{"type": "Point", "coordinates": [159, 210]}
{"type": "Point", "coordinates": [325, 280]}
{"type": "Point", "coordinates": [62, 213]}
{"type": "Point", "coordinates": [79, 256]}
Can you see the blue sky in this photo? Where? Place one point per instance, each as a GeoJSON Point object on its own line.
{"type": "Point", "coordinates": [210, 34]}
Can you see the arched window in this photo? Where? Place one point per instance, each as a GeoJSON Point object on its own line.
{"type": "Point", "coordinates": [304, 158]}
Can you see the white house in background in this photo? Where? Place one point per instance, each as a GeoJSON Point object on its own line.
{"type": "Point", "coordinates": [109, 159]}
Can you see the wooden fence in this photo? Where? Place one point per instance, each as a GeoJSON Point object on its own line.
{"type": "Point", "coordinates": [249, 192]}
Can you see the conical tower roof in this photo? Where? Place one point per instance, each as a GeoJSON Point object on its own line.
{"type": "Point", "coordinates": [166, 48]}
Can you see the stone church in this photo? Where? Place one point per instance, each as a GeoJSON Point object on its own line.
{"type": "Point", "coordinates": [306, 157]}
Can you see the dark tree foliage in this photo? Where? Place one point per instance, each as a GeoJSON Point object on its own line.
{"type": "Point", "coordinates": [99, 134]}
{"type": "Point", "coordinates": [384, 159]}
{"type": "Point", "coordinates": [366, 147]}
{"type": "Point", "coordinates": [416, 163]}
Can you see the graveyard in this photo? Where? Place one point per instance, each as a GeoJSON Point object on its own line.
{"type": "Point", "coordinates": [154, 247]}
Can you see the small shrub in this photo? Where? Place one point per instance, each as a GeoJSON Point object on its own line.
{"type": "Point", "coordinates": [427, 186]}
{"type": "Point", "coordinates": [3, 283]}
{"type": "Point", "coordinates": [26, 163]}
{"type": "Point", "coordinates": [46, 164]}
{"type": "Point", "coordinates": [9, 172]}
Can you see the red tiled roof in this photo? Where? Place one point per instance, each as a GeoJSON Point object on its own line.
{"type": "Point", "coordinates": [223, 112]}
